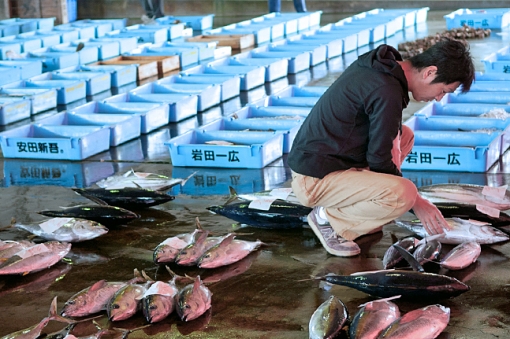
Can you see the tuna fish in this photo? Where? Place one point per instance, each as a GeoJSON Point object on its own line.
{"type": "Point", "coordinates": [462, 256]}
{"type": "Point", "coordinates": [408, 284]}
{"type": "Point", "coordinates": [191, 254]}
{"type": "Point", "coordinates": [168, 250]}
{"type": "Point", "coordinates": [424, 323]}
{"type": "Point", "coordinates": [106, 215]}
{"type": "Point", "coordinates": [392, 257]}
{"type": "Point", "coordinates": [128, 197]}
{"type": "Point", "coordinates": [328, 319]}
{"type": "Point", "coordinates": [372, 318]}
{"type": "Point", "coordinates": [126, 301]}
{"type": "Point", "coordinates": [427, 251]}
{"type": "Point", "coordinates": [35, 258]}
{"type": "Point", "coordinates": [158, 302]}
{"type": "Point", "coordinates": [456, 210]}
{"type": "Point", "coordinates": [94, 298]}
{"type": "Point", "coordinates": [149, 181]}
{"type": "Point", "coordinates": [228, 251]}
{"type": "Point", "coordinates": [461, 231]}
{"type": "Point", "coordinates": [193, 300]}
{"type": "Point", "coordinates": [64, 229]}
{"type": "Point", "coordinates": [35, 331]}
{"type": "Point", "coordinates": [14, 247]}
{"type": "Point", "coordinates": [278, 193]}
{"type": "Point", "coordinates": [280, 215]}
{"type": "Point", "coordinates": [494, 197]}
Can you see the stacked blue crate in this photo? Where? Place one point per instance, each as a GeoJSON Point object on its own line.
{"type": "Point", "coordinates": [493, 18]}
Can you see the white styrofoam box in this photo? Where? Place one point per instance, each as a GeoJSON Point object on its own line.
{"type": "Point", "coordinates": [461, 109]}
{"type": "Point", "coordinates": [41, 99]}
{"type": "Point", "coordinates": [466, 124]}
{"type": "Point", "coordinates": [47, 39]}
{"type": "Point", "coordinates": [152, 115]}
{"type": "Point", "coordinates": [27, 44]}
{"type": "Point", "coordinates": [492, 97]}
{"type": "Point", "coordinates": [250, 76]}
{"type": "Point", "coordinates": [196, 22]}
{"type": "Point", "coordinates": [126, 44]}
{"type": "Point", "coordinates": [13, 109]}
{"type": "Point", "coordinates": [120, 74]}
{"type": "Point", "coordinates": [208, 94]}
{"type": "Point", "coordinates": [87, 54]}
{"type": "Point", "coordinates": [454, 151]}
{"type": "Point", "coordinates": [187, 56]}
{"type": "Point", "coordinates": [494, 18]}
{"type": "Point", "coordinates": [123, 127]}
{"type": "Point", "coordinates": [96, 82]}
{"type": "Point", "coordinates": [275, 67]}
{"type": "Point", "coordinates": [230, 84]}
{"type": "Point", "coordinates": [27, 172]}
{"type": "Point", "coordinates": [54, 142]}
{"type": "Point", "coordinates": [181, 106]}
{"type": "Point", "coordinates": [9, 74]}
{"type": "Point", "coordinates": [249, 149]}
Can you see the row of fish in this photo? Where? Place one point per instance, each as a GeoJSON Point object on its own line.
{"type": "Point", "coordinates": [377, 320]}
{"type": "Point", "coordinates": [200, 249]}
{"type": "Point", "coordinates": [24, 257]}
{"type": "Point", "coordinates": [429, 250]}
{"type": "Point", "coordinates": [156, 299]}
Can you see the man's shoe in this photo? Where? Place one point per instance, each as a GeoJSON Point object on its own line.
{"type": "Point", "coordinates": [333, 243]}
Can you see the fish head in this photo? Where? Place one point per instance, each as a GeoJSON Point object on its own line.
{"type": "Point", "coordinates": [165, 253]}
{"type": "Point", "coordinates": [214, 209]}
{"type": "Point", "coordinates": [87, 228]}
{"type": "Point", "coordinates": [157, 307]}
{"type": "Point", "coordinates": [193, 300]}
{"type": "Point", "coordinates": [124, 303]}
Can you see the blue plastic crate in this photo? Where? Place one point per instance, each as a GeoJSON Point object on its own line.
{"type": "Point", "coordinates": [491, 97]}
{"type": "Point", "coordinates": [27, 44]}
{"type": "Point", "coordinates": [174, 31]}
{"type": "Point", "coordinates": [96, 82]}
{"type": "Point", "coordinates": [54, 142]}
{"type": "Point", "coordinates": [492, 76]}
{"type": "Point", "coordinates": [275, 67]}
{"type": "Point", "coordinates": [67, 90]}
{"type": "Point", "coordinates": [251, 76]}
{"type": "Point", "coordinates": [205, 50]}
{"type": "Point", "coordinates": [453, 151]}
{"type": "Point", "coordinates": [120, 74]}
{"type": "Point", "coordinates": [47, 39]}
{"type": "Point", "coordinates": [251, 150]}
{"type": "Point", "coordinates": [181, 106]}
{"type": "Point", "coordinates": [262, 35]}
{"type": "Point", "coordinates": [123, 127]}
{"type": "Point", "coordinates": [52, 61]}
{"type": "Point", "coordinates": [41, 99]}
{"type": "Point", "coordinates": [187, 56]}
{"type": "Point", "coordinates": [196, 22]}
{"type": "Point", "coordinates": [302, 91]}
{"type": "Point", "coordinates": [115, 23]}
{"type": "Point", "coordinates": [152, 115]}
{"type": "Point", "coordinates": [9, 74]}
{"type": "Point", "coordinates": [498, 61]}
{"type": "Point", "coordinates": [297, 60]}
{"type": "Point", "coordinates": [87, 54]}
{"type": "Point", "coordinates": [55, 173]}
{"type": "Point", "coordinates": [460, 109]}
{"type": "Point", "coordinates": [126, 44]}
{"type": "Point", "coordinates": [84, 32]}
{"type": "Point", "coordinates": [494, 18]}
{"type": "Point", "coordinates": [144, 35]}
{"type": "Point", "coordinates": [209, 95]}
{"type": "Point", "coordinates": [334, 47]}
{"type": "Point", "coordinates": [317, 53]}
{"type": "Point", "coordinates": [13, 109]}
{"type": "Point", "coordinates": [275, 111]}
{"type": "Point", "coordinates": [229, 84]}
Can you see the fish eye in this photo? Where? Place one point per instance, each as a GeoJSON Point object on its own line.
{"type": "Point", "coordinates": [187, 306]}
{"type": "Point", "coordinates": [153, 307]}
{"type": "Point", "coordinates": [115, 306]}
{"type": "Point", "coordinates": [184, 252]}
{"type": "Point", "coordinates": [71, 302]}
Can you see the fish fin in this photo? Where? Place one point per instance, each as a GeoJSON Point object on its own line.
{"type": "Point", "coordinates": [232, 195]}
{"type": "Point", "coordinates": [394, 238]}
{"type": "Point", "coordinates": [189, 177]}
{"type": "Point", "coordinates": [137, 186]}
{"type": "Point", "coordinates": [128, 173]}
{"type": "Point", "coordinates": [97, 285]}
{"type": "Point", "coordinates": [146, 277]}
{"type": "Point", "coordinates": [409, 258]}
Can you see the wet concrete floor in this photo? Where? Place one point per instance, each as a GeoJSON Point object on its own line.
{"type": "Point", "coordinates": [263, 295]}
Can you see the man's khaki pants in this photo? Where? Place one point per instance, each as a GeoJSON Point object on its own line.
{"type": "Point", "coordinates": [358, 201]}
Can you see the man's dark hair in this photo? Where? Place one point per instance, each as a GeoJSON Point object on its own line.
{"type": "Point", "coordinates": [453, 62]}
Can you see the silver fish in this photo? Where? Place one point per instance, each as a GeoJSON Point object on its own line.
{"type": "Point", "coordinates": [65, 229]}
{"type": "Point", "coordinates": [150, 181]}
{"type": "Point", "coordinates": [462, 231]}
{"type": "Point", "coordinates": [94, 298]}
{"type": "Point", "coordinates": [158, 302]}
{"type": "Point", "coordinates": [35, 258]}
{"type": "Point", "coordinates": [328, 319]}
{"type": "Point", "coordinates": [193, 300]}
{"type": "Point", "coordinates": [190, 254]}
{"type": "Point", "coordinates": [423, 323]}
{"type": "Point", "coordinates": [466, 193]}
{"type": "Point", "coordinates": [14, 247]}
{"type": "Point", "coordinates": [126, 301]}
{"type": "Point", "coordinates": [228, 251]}
{"type": "Point", "coordinates": [461, 256]}
{"type": "Point", "coordinates": [372, 318]}
{"type": "Point", "coordinates": [392, 257]}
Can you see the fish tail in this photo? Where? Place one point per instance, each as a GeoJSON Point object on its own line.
{"type": "Point", "coordinates": [53, 315]}
{"type": "Point", "coordinates": [232, 195]}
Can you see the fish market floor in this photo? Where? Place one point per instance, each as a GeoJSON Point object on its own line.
{"type": "Point", "coordinates": [266, 295]}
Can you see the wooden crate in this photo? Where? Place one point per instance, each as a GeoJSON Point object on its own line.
{"type": "Point", "coordinates": [56, 9]}
{"type": "Point", "coordinates": [236, 41]}
{"type": "Point", "coordinates": [148, 66]}
{"type": "Point", "coordinates": [165, 63]}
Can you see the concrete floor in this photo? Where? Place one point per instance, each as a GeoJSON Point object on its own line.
{"type": "Point", "coordinates": [263, 295]}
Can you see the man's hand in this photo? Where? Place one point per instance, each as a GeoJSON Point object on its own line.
{"type": "Point", "coordinates": [430, 217]}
